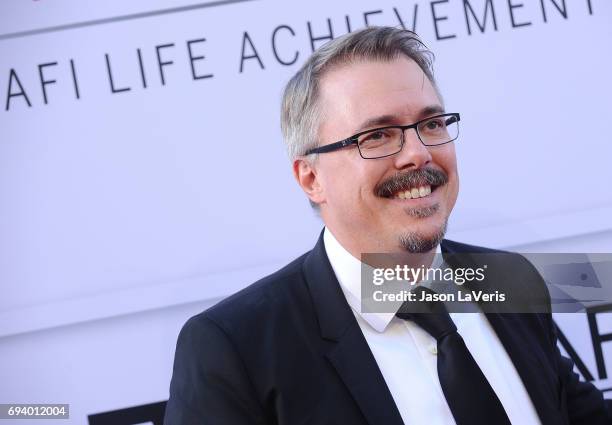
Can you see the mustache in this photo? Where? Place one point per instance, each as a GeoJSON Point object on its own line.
{"type": "Point", "coordinates": [409, 179]}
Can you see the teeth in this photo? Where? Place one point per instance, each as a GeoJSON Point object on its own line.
{"type": "Point", "coordinates": [415, 192]}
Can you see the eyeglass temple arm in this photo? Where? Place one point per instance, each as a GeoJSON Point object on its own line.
{"type": "Point", "coordinates": [333, 146]}
{"type": "Point", "coordinates": [452, 119]}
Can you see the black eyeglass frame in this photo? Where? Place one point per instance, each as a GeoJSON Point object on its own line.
{"type": "Point", "coordinates": [353, 140]}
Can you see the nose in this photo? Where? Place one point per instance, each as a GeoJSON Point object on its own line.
{"type": "Point", "coordinates": [414, 154]}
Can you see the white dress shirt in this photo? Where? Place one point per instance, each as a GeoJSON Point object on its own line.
{"type": "Point", "coordinates": [406, 354]}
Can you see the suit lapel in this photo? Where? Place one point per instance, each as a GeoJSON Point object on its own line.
{"type": "Point", "coordinates": [354, 362]}
{"type": "Point", "coordinates": [349, 352]}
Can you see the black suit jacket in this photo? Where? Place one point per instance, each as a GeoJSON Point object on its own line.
{"type": "Point", "coordinates": [288, 350]}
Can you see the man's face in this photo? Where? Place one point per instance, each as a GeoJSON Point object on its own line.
{"type": "Point", "coordinates": [353, 193]}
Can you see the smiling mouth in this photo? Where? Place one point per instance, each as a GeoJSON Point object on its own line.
{"type": "Point", "coordinates": [420, 191]}
{"type": "Point", "coordinates": [413, 184]}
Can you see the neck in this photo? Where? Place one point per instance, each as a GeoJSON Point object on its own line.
{"type": "Point", "coordinates": [378, 255]}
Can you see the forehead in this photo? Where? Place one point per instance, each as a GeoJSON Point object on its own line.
{"type": "Point", "coordinates": [353, 93]}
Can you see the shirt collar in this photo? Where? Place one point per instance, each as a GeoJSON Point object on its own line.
{"type": "Point", "coordinates": [348, 272]}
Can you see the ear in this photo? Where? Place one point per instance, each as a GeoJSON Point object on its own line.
{"type": "Point", "coordinates": [308, 178]}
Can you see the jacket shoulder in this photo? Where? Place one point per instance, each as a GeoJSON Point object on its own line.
{"type": "Point", "coordinates": [260, 300]}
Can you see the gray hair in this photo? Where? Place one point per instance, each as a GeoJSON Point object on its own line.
{"type": "Point", "coordinates": [300, 112]}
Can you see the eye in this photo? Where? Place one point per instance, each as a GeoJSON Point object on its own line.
{"type": "Point", "coordinates": [375, 138]}
{"type": "Point", "coordinates": [380, 138]}
{"type": "Point", "coordinates": [376, 135]}
{"type": "Point", "coordinates": [434, 124]}
{"type": "Point", "coordinates": [380, 142]}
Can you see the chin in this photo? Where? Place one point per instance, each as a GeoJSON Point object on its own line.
{"type": "Point", "coordinates": [422, 240]}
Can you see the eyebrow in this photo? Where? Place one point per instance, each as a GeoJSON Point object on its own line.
{"type": "Point", "coordinates": [384, 120]}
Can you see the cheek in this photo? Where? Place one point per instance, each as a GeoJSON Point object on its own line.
{"type": "Point", "coordinates": [447, 160]}
{"type": "Point", "coordinates": [354, 190]}
{"type": "Point", "coordinates": [341, 183]}
{"type": "Point", "coordinates": [366, 178]}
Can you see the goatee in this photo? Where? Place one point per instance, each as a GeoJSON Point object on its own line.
{"type": "Point", "coordinates": [417, 243]}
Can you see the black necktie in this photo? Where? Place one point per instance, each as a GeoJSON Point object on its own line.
{"type": "Point", "coordinates": [468, 393]}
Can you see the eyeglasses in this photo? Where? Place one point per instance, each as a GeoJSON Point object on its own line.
{"type": "Point", "coordinates": [387, 141]}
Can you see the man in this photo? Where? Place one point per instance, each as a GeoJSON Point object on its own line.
{"type": "Point", "coordinates": [373, 149]}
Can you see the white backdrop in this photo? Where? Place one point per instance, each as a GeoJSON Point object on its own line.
{"type": "Point", "coordinates": [133, 194]}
